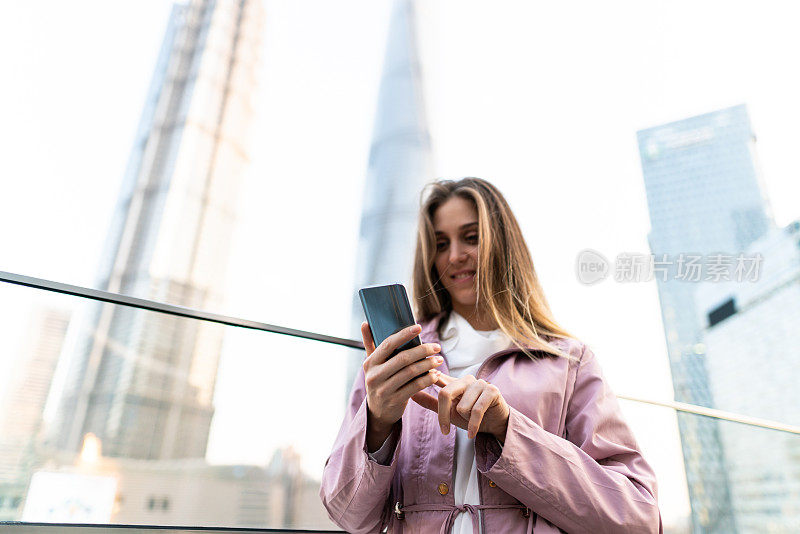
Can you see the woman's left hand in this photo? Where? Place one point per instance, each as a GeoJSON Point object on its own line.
{"type": "Point", "coordinates": [472, 404]}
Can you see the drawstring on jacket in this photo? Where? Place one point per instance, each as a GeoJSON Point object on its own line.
{"type": "Point", "coordinates": [447, 526]}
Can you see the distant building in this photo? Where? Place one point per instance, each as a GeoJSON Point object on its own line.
{"type": "Point", "coordinates": [22, 408]}
{"type": "Point", "coordinates": [752, 347]}
{"type": "Point", "coordinates": [144, 382]}
{"type": "Point", "coordinates": [188, 492]}
{"type": "Point", "coordinates": [704, 197]}
{"type": "Point", "coordinates": [400, 164]}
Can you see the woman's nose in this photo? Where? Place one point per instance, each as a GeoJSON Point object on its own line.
{"type": "Point", "coordinates": [457, 254]}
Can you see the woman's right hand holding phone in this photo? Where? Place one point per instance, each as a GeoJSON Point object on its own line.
{"type": "Point", "coordinates": [391, 382]}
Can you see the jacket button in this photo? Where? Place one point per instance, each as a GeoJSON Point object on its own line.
{"type": "Point", "coordinates": [443, 489]}
{"type": "Point", "coordinates": [492, 484]}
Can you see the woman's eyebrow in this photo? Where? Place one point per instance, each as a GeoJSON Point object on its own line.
{"type": "Point", "coordinates": [460, 227]}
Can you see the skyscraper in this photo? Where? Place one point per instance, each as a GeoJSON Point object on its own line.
{"type": "Point", "coordinates": [751, 346]}
{"type": "Point", "coordinates": [400, 164]}
{"type": "Point", "coordinates": [143, 382]}
{"type": "Point", "coordinates": [22, 408]}
{"type": "Point", "coordinates": [704, 197]}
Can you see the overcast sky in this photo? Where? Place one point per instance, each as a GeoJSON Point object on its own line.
{"type": "Point", "coordinates": [543, 99]}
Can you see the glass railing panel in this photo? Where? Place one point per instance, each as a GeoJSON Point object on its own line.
{"type": "Point", "coordinates": [115, 415]}
{"type": "Point", "coordinates": [756, 483]}
{"type": "Point", "coordinates": [112, 414]}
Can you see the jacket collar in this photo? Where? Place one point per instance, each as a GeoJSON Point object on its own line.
{"type": "Point", "coordinates": [429, 327]}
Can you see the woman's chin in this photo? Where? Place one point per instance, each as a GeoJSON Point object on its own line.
{"type": "Point", "coordinates": [466, 302]}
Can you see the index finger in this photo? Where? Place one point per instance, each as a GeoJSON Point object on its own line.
{"type": "Point", "coordinates": [447, 397]}
{"type": "Point", "coordinates": [444, 380]}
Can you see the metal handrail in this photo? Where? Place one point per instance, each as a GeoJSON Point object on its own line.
{"type": "Point", "coordinates": [169, 309]}
{"type": "Point", "coordinates": [718, 414]}
{"type": "Point", "coordinates": [181, 311]}
{"type": "Point", "coordinates": [22, 527]}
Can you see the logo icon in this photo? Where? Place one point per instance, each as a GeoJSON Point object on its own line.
{"type": "Point", "coordinates": [591, 267]}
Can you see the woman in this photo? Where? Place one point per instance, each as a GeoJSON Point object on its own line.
{"type": "Point", "coordinates": [540, 444]}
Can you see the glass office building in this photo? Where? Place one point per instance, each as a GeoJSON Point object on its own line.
{"type": "Point", "coordinates": [752, 347]}
{"type": "Point", "coordinates": [704, 197]}
{"type": "Point", "coordinates": [143, 386]}
{"type": "Point", "coordinates": [400, 164]}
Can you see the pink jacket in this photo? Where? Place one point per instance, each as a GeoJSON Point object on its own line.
{"type": "Point", "coordinates": [569, 463]}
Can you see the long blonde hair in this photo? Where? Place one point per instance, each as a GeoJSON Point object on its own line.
{"type": "Point", "coordinates": [508, 287]}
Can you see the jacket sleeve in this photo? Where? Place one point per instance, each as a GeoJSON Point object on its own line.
{"type": "Point", "coordinates": [594, 481]}
{"type": "Point", "coordinates": [355, 489]}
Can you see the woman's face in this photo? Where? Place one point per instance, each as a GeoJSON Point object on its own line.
{"type": "Point", "coordinates": [455, 223]}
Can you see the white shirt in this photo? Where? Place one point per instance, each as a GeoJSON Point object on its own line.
{"type": "Point", "coordinates": [465, 349]}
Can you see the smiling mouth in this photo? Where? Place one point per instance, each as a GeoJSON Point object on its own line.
{"type": "Point", "coordinates": [463, 276]}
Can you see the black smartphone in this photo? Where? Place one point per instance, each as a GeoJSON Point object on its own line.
{"type": "Point", "coordinates": [388, 311]}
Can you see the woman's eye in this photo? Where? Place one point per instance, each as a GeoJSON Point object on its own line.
{"type": "Point", "coordinates": [472, 238]}
{"type": "Point", "coordinates": [440, 245]}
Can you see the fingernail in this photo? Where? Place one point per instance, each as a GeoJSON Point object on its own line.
{"type": "Point", "coordinates": [444, 429]}
{"type": "Point", "coordinates": [438, 359]}
{"type": "Point", "coordinates": [416, 328]}
{"type": "Point", "coordinates": [437, 347]}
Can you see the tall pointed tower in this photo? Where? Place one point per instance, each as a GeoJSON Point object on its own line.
{"type": "Point", "coordinates": [143, 382]}
{"type": "Point", "coordinates": [400, 164]}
